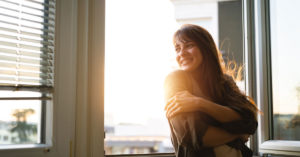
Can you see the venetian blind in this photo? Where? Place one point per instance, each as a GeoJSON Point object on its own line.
{"type": "Point", "coordinates": [27, 43]}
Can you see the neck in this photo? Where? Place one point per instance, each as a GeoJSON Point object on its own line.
{"type": "Point", "coordinates": [196, 74]}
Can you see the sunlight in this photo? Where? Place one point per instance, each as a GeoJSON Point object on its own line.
{"type": "Point", "coordinates": [138, 57]}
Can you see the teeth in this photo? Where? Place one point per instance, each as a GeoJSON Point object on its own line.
{"type": "Point", "coordinates": [186, 61]}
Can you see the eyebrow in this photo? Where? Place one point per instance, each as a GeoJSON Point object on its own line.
{"type": "Point", "coordinates": [184, 42]}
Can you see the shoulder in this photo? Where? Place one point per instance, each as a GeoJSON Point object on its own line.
{"type": "Point", "coordinates": [176, 81]}
{"type": "Point", "coordinates": [177, 75]}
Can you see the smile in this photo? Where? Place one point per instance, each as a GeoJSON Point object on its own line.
{"type": "Point", "coordinates": [185, 61]}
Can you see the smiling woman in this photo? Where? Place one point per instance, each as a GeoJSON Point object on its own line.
{"type": "Point", "coordinates": [208, 114]}
{"type": "Point", "coordinates": [188, 55]}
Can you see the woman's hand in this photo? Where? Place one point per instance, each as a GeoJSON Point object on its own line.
{"type": "Point", "coordinates": [182, 102]}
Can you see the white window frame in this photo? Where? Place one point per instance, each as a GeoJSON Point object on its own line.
{"type": "Point", "coordinates": [60, 115]}
{"type": "Point", "coordinates": [75, 122]}
{"type": "Point", "coordinates": [263, 76]}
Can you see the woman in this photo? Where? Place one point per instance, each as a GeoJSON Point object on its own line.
{"type": "Point", "coordinates": [207, 113]}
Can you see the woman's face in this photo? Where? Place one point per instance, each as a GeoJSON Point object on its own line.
{"type": "Point", "coordinates": [188, 55]}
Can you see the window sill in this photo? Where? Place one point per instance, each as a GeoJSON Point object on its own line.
{"type": "Point", "coordinates": [143, 155]}
{"type": "Point", "coordinates": [280, 147]}
{"type": "Point", "coordinates": [12, 147]}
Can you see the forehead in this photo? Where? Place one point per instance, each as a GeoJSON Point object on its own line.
{"type": "Point", "coordinates": [181, 40]}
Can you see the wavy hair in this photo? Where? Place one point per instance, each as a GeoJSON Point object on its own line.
{"type": "Point", "coordinates": [215, 81]}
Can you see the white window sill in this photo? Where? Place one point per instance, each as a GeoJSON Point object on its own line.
{"type": "Point", "coordinates": [280, 147]}
{"type": "Point", "coordinates": [10, 147]}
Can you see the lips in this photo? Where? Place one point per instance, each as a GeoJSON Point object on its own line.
{"type": "Point", "coordinates": [186, 61]}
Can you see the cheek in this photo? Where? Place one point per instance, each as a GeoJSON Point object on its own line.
{"type": "Point", "coordinates": [177, 58]}
{"type": "Point", "coordinates": [198, 58]}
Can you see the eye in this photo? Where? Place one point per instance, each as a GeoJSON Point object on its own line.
{"type": "Point", "coordinates": [177, 49]}
{"type": "Point", "coordinates": [190, 45]}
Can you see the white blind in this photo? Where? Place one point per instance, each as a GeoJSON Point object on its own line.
{"type": "Point", "coordinates": [27, 43]}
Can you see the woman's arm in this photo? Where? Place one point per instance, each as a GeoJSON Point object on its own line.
{"type": "Point", "coordinates": [186, 102]}
{"type": "Point", "coordinates": [233, 119]}
{"type": "Point", "coordinates": [220, 113]}
{"type": "Point", "coordinates": [215, 136]}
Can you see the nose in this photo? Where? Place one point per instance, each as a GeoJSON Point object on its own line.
{"type": "Point", "coordinates": [182, 52]}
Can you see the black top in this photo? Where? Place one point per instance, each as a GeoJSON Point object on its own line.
{"type": "Point", "coordinates": [187, 129]}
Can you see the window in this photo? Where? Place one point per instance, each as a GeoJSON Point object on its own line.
{"type": "Point", "coordinates": [26, 69]}
{"type": "Point", "coordinates": [285, 62]}
{"type": "Point", "coordinates": [278, 84]}
{"type": "Point", "coordinates": [135, 122]}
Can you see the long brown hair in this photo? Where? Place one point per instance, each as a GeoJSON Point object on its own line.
{"type": "Point", "coordinates": [214, 82]}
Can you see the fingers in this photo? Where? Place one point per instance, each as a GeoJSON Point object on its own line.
{"type": "Point", "coordinates": [175, 98]}
{"type": "Point", "coordinates": [174, 104]}
{"type": "Point", "coordinates": [172, 109]}
{"type": "Point", "coordinates": [170, 102]}
{"type": "Point", "coordinates": [173, 112]}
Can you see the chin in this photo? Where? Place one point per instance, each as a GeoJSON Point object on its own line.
{"type": "Point", "coordinates": [188, 69]}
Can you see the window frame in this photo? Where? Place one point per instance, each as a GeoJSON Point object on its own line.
{"type": "Point", "coordinates": [262, 34]}
{"type": "Point", "coordinates": [249, 59]}
{"type": "Point", "coordinates": [60, 115]}
{"type": "Point", "coordinates": [46, 103]}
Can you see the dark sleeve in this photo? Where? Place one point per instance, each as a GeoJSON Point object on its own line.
{"type": "Point", "coordinates": [187, 128]}
{"type": "Point", "coordinates": [248, 123]}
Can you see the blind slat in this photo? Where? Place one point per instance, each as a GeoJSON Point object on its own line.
{"type": "Point", "coordinates": [20, 60]}
{"type": "Point", "coordinates": [26, 98]}
{"type": "Point", "coordinates": [15, 27]}
{"type": "Point", "coordinates": [26, 20]}
{"type": "Point", "coordinates": [50, 49]}
{"type": "Point", "coordinates": [33, 75]}
{"type": "Point", "coordinates": [49, 12]}
{"type": "Point", "coordinates": [24, 79]}
{"type": "Point", "coordinates": [44, 4]}
{"type": "Point", "coordinates": [31, 3]}
{"type": "Point", "coordinates": [26, 13]}
{"type": "Point", "coordinates": [27, 33]}
{"type": "Point", "coordinates": [35, 88]}
{"type": "Point", "coordinates": [44, 69]}
{"type": "Point", "coordinates": [45, 56]}
{"type": "Point", "coordinates": [22, 39]}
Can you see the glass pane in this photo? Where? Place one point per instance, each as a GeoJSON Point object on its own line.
{"type": "Point", "coordinates": [230, 41]}
{"type": "Point", "coordinates": [139, 54]}
{"type": "Point", "coordinates": [135, 121]}
{"type": "Point", "coordinates": [285, 54]}
{"type": "Point", "coordinates": [20, 120]}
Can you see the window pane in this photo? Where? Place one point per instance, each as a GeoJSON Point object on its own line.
{"type": "Point", "coordinates": [20, 119]}
{"type": "Point", "coordinates": [139, 55]}
{"type": "Point", "coordinates": [285, 54]}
